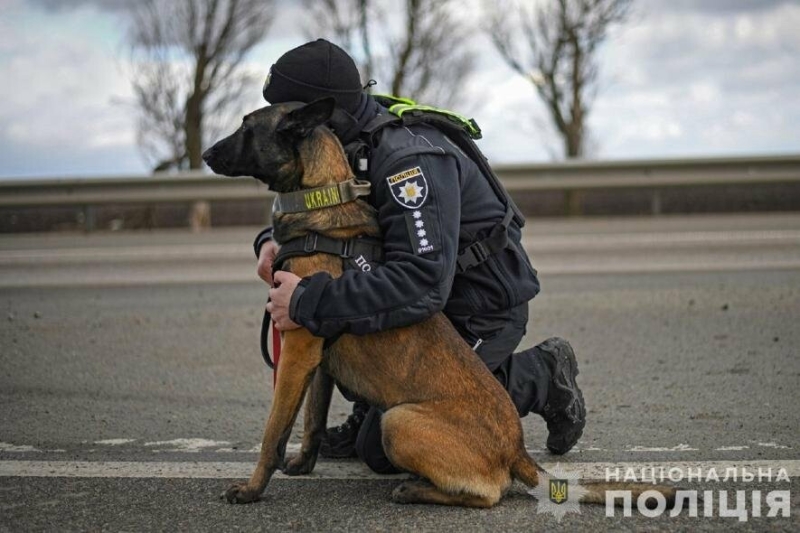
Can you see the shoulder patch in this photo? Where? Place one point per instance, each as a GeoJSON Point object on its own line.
{"type": "Point", "coordinates": [409, 188]}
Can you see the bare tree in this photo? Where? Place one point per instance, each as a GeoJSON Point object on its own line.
{"type": "Point", "coordinates": [562, 39]}
{"type": "Point", "coordinates": [416, 48]}
{"type": "Point", "coordinates": [187, 75]}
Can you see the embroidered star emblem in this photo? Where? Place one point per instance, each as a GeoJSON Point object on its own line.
{"type": "Point", "coordinates": [423, 242]}
{"type": "Point", "coordinates": [411, 192]}
{"type": "Point", "coordinates": [572, 496]}
{"type": "Point", "coordinates": [421, 233]}
{"type": "Point", "coordinates": [419, 223]}
{"type": "Point", "coordinates": [417, 214]}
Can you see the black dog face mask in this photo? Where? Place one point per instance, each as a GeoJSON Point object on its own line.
{"type": "Point", "coordinates": [266, 144]}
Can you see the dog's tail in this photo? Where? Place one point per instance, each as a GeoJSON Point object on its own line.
{"type": "Point", "coordinates": [529, 472]}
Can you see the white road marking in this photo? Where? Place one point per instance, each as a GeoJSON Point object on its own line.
{"type": "Point", "coordinates": [187, 445]}
{"type": "Point", "coordinates": [5, 447]}
{"type": "Point", "coordinates": [114, 442]}
{"type": "Point", "coordinates": [598, 470]}
{"type": "Point", "coordinates": [188, 470]}
{"type": "Point", "coordinates": [772, 445]}
{"type": "Point", "coordinates": [340, 470]}
{"type": "Point", "coordinates": [17, 448]}
{"type": "Point", "coordinates": [195, 444]}
{"type": "Point", "coordinates": [678, 448]}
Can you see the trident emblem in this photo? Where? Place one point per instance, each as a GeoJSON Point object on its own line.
{"type": "Point", "coordinates": [559, 490]}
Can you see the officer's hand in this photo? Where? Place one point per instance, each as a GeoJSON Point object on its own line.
{"type": "Point", "coordinates": [266, 258]}
{"type": "Point", "coordinates": [280, 297]}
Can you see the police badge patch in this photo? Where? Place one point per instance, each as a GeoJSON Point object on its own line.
{"type": "Point", "coordinates": [409, 188]}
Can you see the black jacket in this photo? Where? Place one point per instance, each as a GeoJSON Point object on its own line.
{"type": "Point", "coordinates": [432, 201]}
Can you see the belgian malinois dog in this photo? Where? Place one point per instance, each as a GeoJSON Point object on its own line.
{"type": "Point", "coordinates": [447, 419]}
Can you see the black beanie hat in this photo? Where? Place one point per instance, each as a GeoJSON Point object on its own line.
{"type": "Point", "coordinates": [311, 71]}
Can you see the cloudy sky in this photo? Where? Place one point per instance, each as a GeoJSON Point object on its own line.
{"type": "Point", "coordinates": [681, 78]}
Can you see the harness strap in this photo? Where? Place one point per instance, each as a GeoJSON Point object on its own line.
{"type": "Point", "coordinates": [365, 248]}
{"type": "Point", "coordinates": [320, 197]}
{"type": "Point", "coordinates": [480, 251]}
{"type": "Point", "coordinates": [313, 243]}
{"type": "Point", "coordinates": [459, 129]}
{"type": "Point", "coordinates": [379, 122]}
{"type": "Point", "coordinates": [412, 114]}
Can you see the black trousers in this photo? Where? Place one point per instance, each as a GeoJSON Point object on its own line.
{"type": "Point", "coordinates": [494, 336]}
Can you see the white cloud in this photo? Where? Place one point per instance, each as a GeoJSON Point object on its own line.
{"type": "Point", "coordinates": [58, 100]}
{"type": "Point", "coordinates": [703, 92]}
{"type": "Point", "coordinates": [744, 27]}
{"type": "Point", "coordinates": [63, 88]}
{"type": "Point", "coordinates": [681, 78]}
{"type": "Point", "coordinates": [701, 82]}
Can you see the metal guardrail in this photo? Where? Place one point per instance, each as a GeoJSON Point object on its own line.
{"type": "Point", "coordinates": [89, 193]}
{"type": "Point", "coordinates": [655, 175]}
{"type": "Point", "coordinates": [651, 173]}
{"type": "Point", "coordinates": [184, 187]}
{"type": "Point", "coordinates": [572, 177]}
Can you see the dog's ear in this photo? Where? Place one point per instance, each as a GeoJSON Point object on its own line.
{"type": "Point", "coordinates": [301, 122]}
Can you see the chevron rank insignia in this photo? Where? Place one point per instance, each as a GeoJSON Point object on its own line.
{"type": "Point", "coordinates": [409, 188]}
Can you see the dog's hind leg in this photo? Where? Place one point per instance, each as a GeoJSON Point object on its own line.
{"type": "Point", "coordinates": [425, 492]}
{"type": "Point", "coordinates": [302, 354]}
{"type": "Point", "coordinates": [316, 414]}
{"type": "Point", "coordinates": [416, 438]}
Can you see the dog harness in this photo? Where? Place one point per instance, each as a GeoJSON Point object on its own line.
{"type": "Point", "coordinates": [320, 197]}
{"type": "Point", "coordinates": [361, 253]}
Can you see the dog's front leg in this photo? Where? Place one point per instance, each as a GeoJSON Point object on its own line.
{"type": "Point", "coordinates": [302, 354]}
{"type": "Point", "coordinates": [314, 419]}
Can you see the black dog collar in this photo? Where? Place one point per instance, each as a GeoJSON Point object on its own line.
{"type": "Point", "coordinates": [320, 197]}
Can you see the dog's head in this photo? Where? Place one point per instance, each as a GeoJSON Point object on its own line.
{"type": "Point", "coordinates": [268, 144]}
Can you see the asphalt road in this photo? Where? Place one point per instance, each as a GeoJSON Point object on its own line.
{"type": "Point", "coordinates": [132, 389]}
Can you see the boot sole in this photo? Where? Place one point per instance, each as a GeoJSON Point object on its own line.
{"type": "Point", "coordinates": [567, 370]}
{"type": "Point", "coordinates": [337, 453]}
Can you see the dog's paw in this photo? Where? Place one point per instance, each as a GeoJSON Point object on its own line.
{"type": "Point", "coordinates": [300, 464]}
{"type": "Point", "coordinates": [404, 493]}
{"type": "Point", "coordinates": [240, 493]}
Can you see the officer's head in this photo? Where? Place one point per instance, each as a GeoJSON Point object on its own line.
{"type": "Point", "coordinates": [312, 71]}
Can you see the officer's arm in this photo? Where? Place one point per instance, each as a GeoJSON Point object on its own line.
{"type": "Point", "coordinates": [418, 201]}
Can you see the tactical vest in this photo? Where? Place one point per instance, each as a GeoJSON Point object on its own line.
{"type": "Point", "coordinates": [463, 132]}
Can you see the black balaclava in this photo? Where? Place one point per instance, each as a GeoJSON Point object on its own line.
{"type": "Point", "coordinates": [318, 69]}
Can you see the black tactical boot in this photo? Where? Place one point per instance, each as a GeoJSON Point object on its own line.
{"type": "Point", "coordinates": [565, 411]}
{"type": "Point", "coordinates": [340, 441]}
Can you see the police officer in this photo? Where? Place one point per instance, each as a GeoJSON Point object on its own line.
{"type": "Point", "coordinates": [432, 202]}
